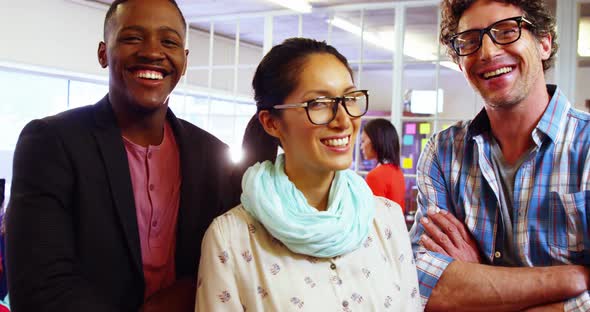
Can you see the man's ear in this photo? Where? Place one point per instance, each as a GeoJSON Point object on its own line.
{"type": "Point", "coordinates": [545, 46]}
{"type": "Point", "coordinates": [270, 123]}
{"type": "Point", "coordinates": [102, 54]}
{"type": "Point", "coordinates": [185, 61]}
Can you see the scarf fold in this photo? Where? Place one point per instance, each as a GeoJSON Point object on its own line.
{"type": "Point", "coordinates": [275, 202]}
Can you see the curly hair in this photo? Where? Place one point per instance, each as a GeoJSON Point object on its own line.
{"type": "Point", "coordinates": [534, 10]}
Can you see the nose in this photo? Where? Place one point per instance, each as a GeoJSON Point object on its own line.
{"type": "Point", "coordinates": [489, 49]}
{"type": "Point", "coordinates": [151, 49]}
{"type": "Point", "coordinates": [342, 119]}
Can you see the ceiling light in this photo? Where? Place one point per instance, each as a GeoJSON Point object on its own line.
{"type": "Point", "coordinates": [414, 47]}
{"type": "Point", "coordinates": [584, 32]}
{"type": "Point", "coordinates": [301, 6]}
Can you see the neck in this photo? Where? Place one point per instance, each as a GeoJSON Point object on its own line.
{"type": "Point", "coordinates": [512, 126]}
{"type": "Point", "coordinates": [142, 128]}
{"type": "Point", "coordinates": [314, 185]}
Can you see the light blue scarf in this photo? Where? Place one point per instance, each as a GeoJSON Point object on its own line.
{"type": "Point", "coordinates": [275, 202]}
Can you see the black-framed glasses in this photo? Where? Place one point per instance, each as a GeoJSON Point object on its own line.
{"type": "Point", "coordinates": [502, 32]}
{"type": "Point", "coordinates": [322, 110]}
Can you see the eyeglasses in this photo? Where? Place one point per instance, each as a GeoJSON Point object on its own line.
{"type": "Point", "coordinates": [322, 110]}
{"type": "Point", "coordinates": [502, 32]}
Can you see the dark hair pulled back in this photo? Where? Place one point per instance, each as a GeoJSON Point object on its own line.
{"type": "Point", "coordinates": [384, 140]}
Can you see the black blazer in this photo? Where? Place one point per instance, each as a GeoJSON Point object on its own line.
{"type": "Point", "coordinates": [72, 236]}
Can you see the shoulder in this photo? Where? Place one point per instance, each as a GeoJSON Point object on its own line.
{"type": "Point", "coordinates": [233, 225]}
{"type": "Point", "coordinates": [69, 120]}
{"type": "Point", "coordinates": [446, 146]}
{"type": "Point", "coordinates": [72, 125]}
{"type": "Point", "coordinates": [372, 174]}
{"type": "Point", "coordinates": [388, 210]}
{"type": "Point", "coordinates": [580, 121]}
{"type": "Point", "coordinates": [456, 132]}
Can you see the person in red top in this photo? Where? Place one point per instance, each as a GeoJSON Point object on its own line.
{"type": "Point", "coordinates": [379, 141]}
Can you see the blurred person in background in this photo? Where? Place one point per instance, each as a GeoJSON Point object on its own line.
{"type": "Point", "coordinates": [379, 140]}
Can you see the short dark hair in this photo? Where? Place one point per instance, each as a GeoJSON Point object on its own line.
{"type": "Point", "coordinates": [116, 3]}
{"type": "Point", "coordinates": [535, 10]}
{"type": "Point", "coordinates": [276, 77]}
{"type": "Point", "coordinates": [384, 140]}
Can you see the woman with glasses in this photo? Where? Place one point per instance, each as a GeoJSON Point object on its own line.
{"type": "Point", "coordinates": [379, 141]}
{"type": "Point", "coordinates": [309, 234]}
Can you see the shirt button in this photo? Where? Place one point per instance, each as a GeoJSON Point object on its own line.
{"type": "Point", "coordinates": [149, 155]}
{"type": "Point", "coordinates": [154, 223]}
{"type": "Point", "coordinates": [152, 187]}
{"type": "Point", "coordinates": [345, 303]}
{"type": "Point", "coordinates": [333, 266]}
{"type": "Point", "coordinates": [497, 254]}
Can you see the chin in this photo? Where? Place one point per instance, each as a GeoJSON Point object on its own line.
{"type": "Point", "coordinates": [340, 165]}
{"type": "Point", "coordinates": [149, 104]}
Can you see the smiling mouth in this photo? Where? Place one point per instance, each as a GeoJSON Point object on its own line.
{"type": "Point", "coordinates": [149, 74]}
{"type": "Point", "coordinates": [341, 142]}
{"type": "Point", "coordinates": [496, 73]}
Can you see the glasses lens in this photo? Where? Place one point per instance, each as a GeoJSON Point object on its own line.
{"type": "Point", "coordinates": [505, 32]}
{"type": "Point", "coordinates": [356, 103]}
{"type": "Point", "coordinates": [320, 110]}
{"type": "Point", "coordinates": [467, 42]}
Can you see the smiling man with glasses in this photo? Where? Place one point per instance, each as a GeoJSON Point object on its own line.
{"type": "Point", "coordinates": [502, 221]}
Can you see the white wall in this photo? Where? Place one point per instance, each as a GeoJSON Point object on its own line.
{"type": "Point", "coordinates": [51, 33]}
{"type": "Point", "coordinates": [63, 35]}
{"type": "Point", "coordinates": [582, 90]}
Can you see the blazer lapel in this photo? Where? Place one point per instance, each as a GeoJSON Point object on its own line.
{"type": "Point", "coordinates": [188, 216]}
{"type": "Point", "coordinates": [112, 149]}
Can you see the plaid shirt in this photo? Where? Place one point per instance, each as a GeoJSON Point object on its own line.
{"type": "Point", "coordinates": [551, 193]}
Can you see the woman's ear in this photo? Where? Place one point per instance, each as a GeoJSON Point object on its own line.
{"type": "Point", "coordinates": [270, 123]}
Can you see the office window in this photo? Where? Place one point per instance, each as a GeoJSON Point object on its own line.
{"type": "Point", "coordinates": [85, 93]}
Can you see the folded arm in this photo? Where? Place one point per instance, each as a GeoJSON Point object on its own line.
{"type": "Point", "coordinates": [448, 260]}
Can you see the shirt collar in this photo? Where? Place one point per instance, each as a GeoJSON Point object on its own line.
{"type": "Point", "coordinates": [550, 124]}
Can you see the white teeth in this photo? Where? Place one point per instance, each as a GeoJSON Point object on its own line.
{"type": "Point", "coordinates": [154, 75]}
{"type": "Point", "coordinates": [497, 72]}
{"type": "Point", "coordinates": [337, 142]}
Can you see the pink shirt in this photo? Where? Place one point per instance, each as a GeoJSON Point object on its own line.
{"type": "Point", "coordinates": [155, 175]}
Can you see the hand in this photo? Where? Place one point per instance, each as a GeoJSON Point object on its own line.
{"type": "Point", "coordinates": [179, 297]}
{"type": "Point", "coordinates": [447, 235]}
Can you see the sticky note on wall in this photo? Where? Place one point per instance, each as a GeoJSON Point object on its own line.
{"type": "Point", "coordinates": [425, 128]}
{"type": "Point", "coordinates": [407, 163]}
{"type": "Point", "coordinates": [424, 141]}
{"type": "Point", "coordinates": [408, 139]}
{"type": "Point", "coordinates": [410, 128]}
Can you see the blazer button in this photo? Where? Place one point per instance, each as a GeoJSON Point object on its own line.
{"type": "Point", "coordinates": [333, 266]}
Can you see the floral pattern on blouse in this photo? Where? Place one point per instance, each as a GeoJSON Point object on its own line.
{"type": "Point", "coordinates": [244, 268]}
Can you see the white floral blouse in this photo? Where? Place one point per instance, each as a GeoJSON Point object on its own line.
{"type": "Point", "coordinates": [244, 268]}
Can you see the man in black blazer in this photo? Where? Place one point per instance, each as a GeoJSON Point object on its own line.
{"type": "Point", "coordinates": [73, 237]}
